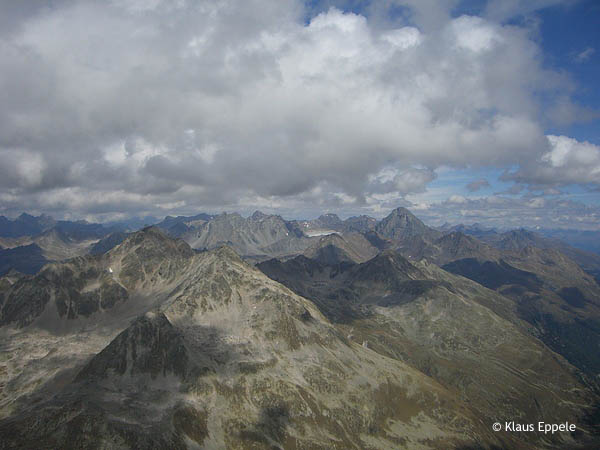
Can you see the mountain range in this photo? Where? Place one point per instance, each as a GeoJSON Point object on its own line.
{"type": "Point", "coordinates": [219, 331]}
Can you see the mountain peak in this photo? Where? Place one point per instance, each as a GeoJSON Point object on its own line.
{"type": "Point", "coordinates": [257, 215]}
{"type": "Point", "coordinates": [330, 220]}
{"type": "Point", "coordinates": [403, 214]}
{"type": "Point", "coordinates": [387, 266]}
{"type": "Point", "coordinates": [149, 345]}
{"type": "Point", "coordinates": [152, 230]}
{"type": "Point", "coordinates": [402, 211]}
{"type": "Point", "coordinates": [228, 253]}
{"type": "Point", "coordinates": [152, 242]}
{"type": "Point", "coordinates": [401, 224]}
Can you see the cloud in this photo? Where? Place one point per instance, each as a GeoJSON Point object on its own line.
{"type": "Point", "coordinates": [585, 55]}
{"type": "Point", "coordinates": [400, 181]}
{"type": "Point", "coordinates": [477, 185]}
{"type": "Point", "coordinates": [506, 9]}
{"type": "Point", "coordinates": [149, 105]}
{"type": "Point", "coordinates": [509, 213]}
{"type": "Point", "coordinates": [515, 189]}
{"type": "Point", "coordinates": [565, 112]}
{"type": "Point", "coordinates": [566, 161]}
{"type": "Point", "coordinates": [458, 199]}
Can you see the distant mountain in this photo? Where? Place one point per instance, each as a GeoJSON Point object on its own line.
{"type": "Point", "coordinates": [177, 226]}
{"type": "Point", "coordinates": [81, 230]}
{"type": "Point", "coordinates": [401, 225]}
{"type": "Point", "coordinates": [456, 245]}
{"type": "Point", "coordinates": [108, 242]}
{"type": "Point", "coordinates": [361, 224]}
{"type": "Point", "coordinates": [58, 244]}
{"type": "Point", "coordinates": [28, 254]}
{"type": "Point", "coordinates": [329, 221]}
{"type": "Point", "coordinates": [475, 229]}
{"type": "Point", "coordinates": [57, 240]}
{"type": "Point", "coordinates": [26, 259]}
{"type": "Point", "coordinates": [516, 240]}
{"type": "Point", "coordinates": [337, 248]}
{"type": "Point", "coordinates": [25, 225]}
{"type": "Point", "coordinates": [257, 236]}
{"type": "Point", "coordinates": [132, 224]}
{"type": "Point", "coordinates": [588, 241]}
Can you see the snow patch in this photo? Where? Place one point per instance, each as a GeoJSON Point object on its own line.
{"type": "Point", "coordinates": [313, 233]}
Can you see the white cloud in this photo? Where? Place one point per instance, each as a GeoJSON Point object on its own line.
{"type": "Point", "coordinates": [510, 213]}
{"type": "Point", "coordinates": [585, 55]}
{"type": "Point", "coordinates": [457, 199]}
{"type": "Point", "coordinates": [475, 34]}
{"type": "Point", "coordinates": [566, 161]}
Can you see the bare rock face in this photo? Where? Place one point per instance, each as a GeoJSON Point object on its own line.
{"type": "Point", "coordinates": [256, 236]}
{"type": "Point", "coordinates": [150, 345]}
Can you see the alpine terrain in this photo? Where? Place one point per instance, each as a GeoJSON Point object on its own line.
{"type": "Point", "coordinates": [345, 334]}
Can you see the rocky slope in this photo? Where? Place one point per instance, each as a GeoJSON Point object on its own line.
{"type": "Point", "coordinates": [27, 259]}
{"type": "Point", "coordinates": [335, 248]}
{"type": "Point", "coordinates": [466, 337]}
{"type": "Point", "coordinates": [259, 235]}
{"type": "Point", "coordinates": [517, 240]}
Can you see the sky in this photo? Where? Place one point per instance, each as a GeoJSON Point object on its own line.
{"type": "Point", "coordinates": [463, 111]}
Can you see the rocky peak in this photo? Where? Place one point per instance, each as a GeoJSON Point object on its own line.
{"type": "Point", "coordinates": [258, 215]}
{"type": "Point", "coordinates": [227, 253]}
{"type": "Point", "coordinates": [150, 345]}
{"type": "Point", "coordinates": [361, 224]}
{"type": "Point", "coordinates": [152, 242]}
{"type": "Point", "coordinates": [456, 237]}
{"type": "Point", "coordinates": [24, 216]}
{"type": "Point", "coordinates": [519, 239]}
{"type": "Point", "coordinates": [402, 216]}
{"type": "Point", "coordinates": [330, 218]}
{"type": "Point", "coordinates": [331, 254]}
{"type": "Point", "coordinates": [401, 224]}
{"type": "Point", "coordinates": [389, 265]}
